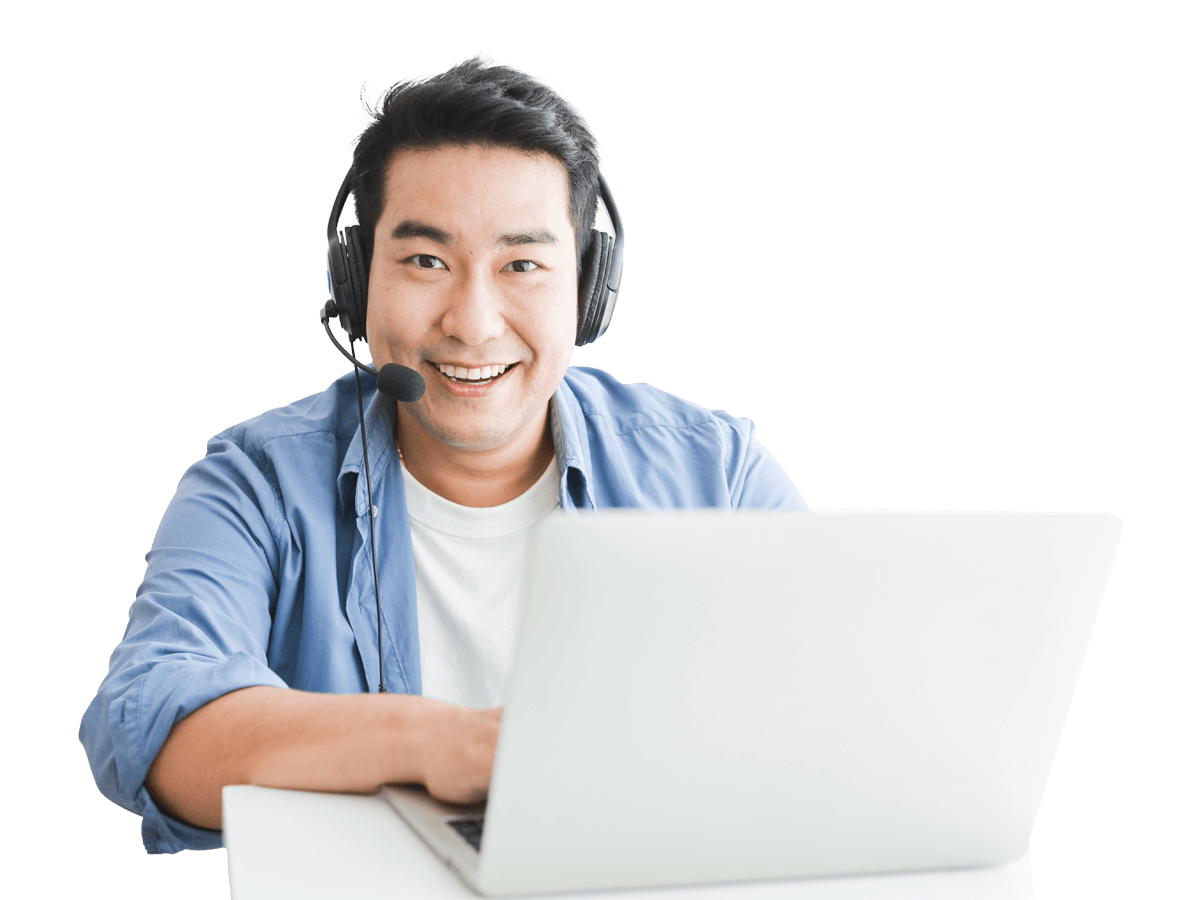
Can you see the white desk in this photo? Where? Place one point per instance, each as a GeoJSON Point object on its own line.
{"type": "Point", "coordinates": [293, 845]}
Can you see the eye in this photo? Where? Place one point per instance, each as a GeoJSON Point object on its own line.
{"type": "Point", "coordinates": [426, 261]}
{"type": "Point", "coordinates": [522, 265]}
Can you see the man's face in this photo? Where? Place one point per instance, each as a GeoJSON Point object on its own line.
{"type": "Point", "coordinates": [473, 284]}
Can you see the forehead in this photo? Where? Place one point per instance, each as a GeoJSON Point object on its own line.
{"type": "Point", "coordinates": [455, 184]}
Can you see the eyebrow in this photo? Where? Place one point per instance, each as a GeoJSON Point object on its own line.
{"type": "Point", "coordinates": [412, 228]}
{"type": "Point", "coordinates": [540, 236]}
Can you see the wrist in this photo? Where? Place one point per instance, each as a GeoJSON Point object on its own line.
{"type": "Point", "coordinates": [413, 727]}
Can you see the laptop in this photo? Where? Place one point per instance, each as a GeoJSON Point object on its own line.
{"type": "Point", "coordinates": [713, 697]}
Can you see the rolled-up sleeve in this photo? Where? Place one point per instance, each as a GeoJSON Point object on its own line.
{"type": "Point", "coordinates": [198, 629]}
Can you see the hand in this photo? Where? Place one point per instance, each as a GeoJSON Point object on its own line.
{"type": "Point", "coordinates": [459, 751]}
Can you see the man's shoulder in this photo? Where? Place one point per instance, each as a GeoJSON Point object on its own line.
{"type": "Point", "coordinates": [629, 407]}
{"type": "Point", "coordinates": [328, 413]}
{"type": "Point", "coordinates": [636, 445]}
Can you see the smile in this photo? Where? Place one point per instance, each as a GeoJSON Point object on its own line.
{"type": "Point", "coordinates": [477, 376]}
{"type": "Point", "coordinates": [473, 376]}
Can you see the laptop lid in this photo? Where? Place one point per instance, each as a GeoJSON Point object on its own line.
{"type": "Point", "coordinates": [705, 697]}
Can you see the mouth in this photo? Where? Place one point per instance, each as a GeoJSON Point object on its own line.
{"type": "Point", "coordinates": [476, 376]}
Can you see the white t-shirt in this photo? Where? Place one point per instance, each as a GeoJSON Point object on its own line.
{"type": "Point", "coordinates": [470, 571]}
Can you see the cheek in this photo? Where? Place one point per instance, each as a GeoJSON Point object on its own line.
{"type": "Point", "coordinates": [398, 312]}
{"type": "Point", "coordinates": [388, 331]}
{"type": "Point", "coordinates": [551, 329]}
{"type": "Point", "coordinates": [567, 311]}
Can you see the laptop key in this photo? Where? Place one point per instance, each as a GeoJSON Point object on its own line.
{"type": "Point", "coordinates": [471, 829]}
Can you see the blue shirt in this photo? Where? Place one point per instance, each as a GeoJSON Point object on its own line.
{"type": "Point", "coordinates": [260, 574]}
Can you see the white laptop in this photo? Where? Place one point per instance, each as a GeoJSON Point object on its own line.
{"type": "Point", "coordinates": [706, 697]}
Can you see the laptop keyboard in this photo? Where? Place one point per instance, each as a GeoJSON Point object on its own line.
{"type": "Point", "coordinates": [471, 829]}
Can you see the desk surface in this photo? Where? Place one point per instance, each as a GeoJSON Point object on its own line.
{"type": "Point", "coordinates": [293, 844]}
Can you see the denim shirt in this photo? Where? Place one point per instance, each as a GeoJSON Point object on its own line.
{"type": "Point", "coordinates": [260, 572]}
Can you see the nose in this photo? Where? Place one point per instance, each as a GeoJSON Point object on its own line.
{"type": "Point", "coordinates": [474, 314]}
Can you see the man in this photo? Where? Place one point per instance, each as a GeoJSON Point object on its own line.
{"type": "Point", "coordinates": [252, 645]}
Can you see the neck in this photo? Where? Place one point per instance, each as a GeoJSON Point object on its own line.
{"type": "Point", "coordinates": [475, 477]}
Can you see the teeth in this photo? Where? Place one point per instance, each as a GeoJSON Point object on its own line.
{"type": "Point", "coordinates": [483, 373]}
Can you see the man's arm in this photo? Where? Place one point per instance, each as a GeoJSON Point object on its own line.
{"type": "Point", "coordinates": [276, 737]}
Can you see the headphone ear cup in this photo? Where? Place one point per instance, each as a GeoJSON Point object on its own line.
{"type": "Point", "coordinates": [356, 294]}
{"type": "Point", "coordinates": [593, 287]}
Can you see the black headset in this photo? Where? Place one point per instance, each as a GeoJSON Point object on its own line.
{"type": "Point", "coordinates": [599, 278]}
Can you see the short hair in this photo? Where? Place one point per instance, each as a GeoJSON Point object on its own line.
{"type": "Point", "coordinates": [476, 104]}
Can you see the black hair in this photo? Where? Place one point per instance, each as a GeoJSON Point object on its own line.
{"type": "Point", "coordinates": [474, 103]}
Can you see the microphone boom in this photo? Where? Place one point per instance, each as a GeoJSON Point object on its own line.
{"type": "Point", "coordinates": [393, 380]}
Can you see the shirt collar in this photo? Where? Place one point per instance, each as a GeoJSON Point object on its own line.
{"type": "Point", "coordinates": [380, 417]}
{"type": "Point", "coordinates": [572, 452]}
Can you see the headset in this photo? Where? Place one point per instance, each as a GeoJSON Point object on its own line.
{"type": "Point", "coordinates": [599, 278]}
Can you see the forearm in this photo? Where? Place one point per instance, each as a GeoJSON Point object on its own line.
{"type": "Point", "coordinates": [292, 739]}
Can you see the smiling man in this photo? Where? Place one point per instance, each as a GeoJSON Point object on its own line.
{"type": "Point", "coordinates": [251, 646]}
